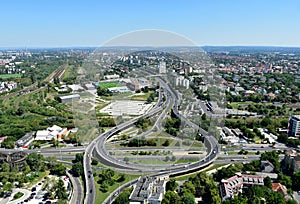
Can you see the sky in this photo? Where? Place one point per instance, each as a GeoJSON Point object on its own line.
{"type": "Point", "coordinates": [68, 23]}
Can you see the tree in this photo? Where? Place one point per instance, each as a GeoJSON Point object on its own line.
{"type": "Point", "coordinates": [171, 198]}
{"type": "Point", "coordinates": [272, 157]}
{"type": "Point", "coordinates": [173, 158]}
{"type": "Point", "coordinates": [58, 169]}
{"type": "Point", "coordinates": [121, 178]}
{"type": "Point", "coordinates": [8, 187]}
{"type": "Point", "coordinates": [77, 169]}
{"type": "Point", "coordinates": [35, 161]}
{"type": "Point", "coordinates": [296, 181]}
{"type": "Point", "coordinates": [268, 182]}
{"type": "Point", "coordinates": [94, 161]}
{"type": "Point", "coordinates": [188, 199]}
{"type": "Point", "coordinates": [103, 92]}
{"type": "Point", "coordinates": [166, 143]}
{"type": "Point", "coordinates": [227, 172]}
{"type": "Point", "coordinates": [126, 159]}
{"type": "Point", "coordinates": [266, 121]}
{"type": "Point", "coordinates": [61, 191]}
{"type": "Point", "coordinates": [203, 117]}
{"type": "Point", "coordinates": [5, 167]}
{"type": "Point", "coordinates": [274, 197]}
{"type": "Point", "coordinates": [123, 198]}
{"type": "Point", "coordinates": [285, 180]}
{"type": "Point", "coordinates": [78, 158]}
{"type": "Point", "coordinates": [291, 201]}
{"type": "Point", "coordinates": [55, 142]}
{"type": "Point", "coordinates": [104, 187]}
{"type": "Point", "coordinates": [8, 144]}
{"type": "Point", "coordinates": [171, 185]}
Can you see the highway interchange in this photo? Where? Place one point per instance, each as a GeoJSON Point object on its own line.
{"type": "Point", "coordinates": [97, 149]}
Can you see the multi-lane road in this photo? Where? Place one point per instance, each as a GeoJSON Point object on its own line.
{"type": "Point", "coordinates": [97, 148]}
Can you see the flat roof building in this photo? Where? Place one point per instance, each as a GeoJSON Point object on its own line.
{"type": "Point", "coordinates": [68, 98]}
{"type": "Point", "coordinates": [234, 185]}
{"type": "Point", "coordinates": [162, 67]}
{"type": "Point", "coordinates": [148, 190]}
{"type": "Point", "coordinates": [294, 126]}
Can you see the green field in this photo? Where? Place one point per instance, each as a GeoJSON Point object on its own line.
{"type": "Point", "coordinates": [109, 85]}
{"type": "Point", "coordinates": [7, 76]}
{"type": "Point", "coordinates": [100, 196]}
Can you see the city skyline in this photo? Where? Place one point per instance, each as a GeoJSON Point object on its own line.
{"type": "Point", "coordinates": [213, 23]}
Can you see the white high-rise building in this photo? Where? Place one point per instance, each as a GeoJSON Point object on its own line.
{"type": "Point", "coordinates": [162, 67]}
{"type": "Point", "coordinates": [181, 81]}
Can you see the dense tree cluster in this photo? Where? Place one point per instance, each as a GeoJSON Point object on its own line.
{"type": "Point", "coordinates": [143, 123]}
{"type": "Point", "coordinates": [108, 177]}
{"type": "Point", "coordinates": [103, 91]}
{"type": "Point", "coordinates": [35, 113]}
{"type": "Point", "coordinates": [107, 122]}
{"type": "Point", "coordinates": [77, 167]}
{"type": "Point", "coordinates": [200, 185]}
{"type": "Point", "coordinates": [123, 198]}
{"type": "Point", "coordinates": [137, 142]}
{"type": "Point", "coordinates": [172, 124]}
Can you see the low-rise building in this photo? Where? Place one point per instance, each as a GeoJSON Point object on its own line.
{"type": "Point", "coordinates": [267, 166]}
{"type": "Point", "coordinates": [278, 187]}
{"type": "Point", "coordinates": [89, 86]}
{"type": "Point", "coordinates": [232, 186]}
{"type": "Point", "coordinates": [69, 98]}
{"type": "Point", "coordinates": [54, 132]}
{"type": "Point", "coordinates": [119, 89]}
{"type": "Point", "coordinates": [112, 76]}
{"type": "Point", "coordinates": [148, 190]}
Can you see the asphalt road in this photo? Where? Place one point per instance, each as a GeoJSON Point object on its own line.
{"type": "Point", "coordinates": [210, 142]}
{"type": "Point", "coordinates": [77, 195]}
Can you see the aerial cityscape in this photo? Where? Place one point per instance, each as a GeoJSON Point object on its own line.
{"type": "Point", "coordinates": [173, 102]}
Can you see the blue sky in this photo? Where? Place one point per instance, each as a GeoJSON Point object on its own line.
{"type": "Point", "coordinates": [55, 23]}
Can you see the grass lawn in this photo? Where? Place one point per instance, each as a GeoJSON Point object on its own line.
{"type": "Point", "coordinates": [100, 196]}
{"type": "Point", "coordinates": [141, 96]}
{"type": "Point", "coordinates": [197, 144]}
{"type": "Point", "coordinates": [152, 161]}
{"type": "Point", "coordinates": [109, 85]}
{"type": "Point", "coordinates": [182, 161]}
{"type": "Point", "coordinates": [101, 105]}
{"type": "Point", "coordinates": [6, 76]}
{"type": "Point", "coordinates": [36, 180]}
{"type": "Point", "coordinates": [186, 177]}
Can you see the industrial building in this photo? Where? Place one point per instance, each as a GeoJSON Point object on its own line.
{"type": "Point", "coordinates": [68, 98]}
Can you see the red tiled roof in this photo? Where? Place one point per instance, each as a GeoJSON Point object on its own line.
{"type": "Point", "coordinates": [279, 187]}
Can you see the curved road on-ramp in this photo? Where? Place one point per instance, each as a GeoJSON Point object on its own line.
{"type": "Point", "coordinates": [97, 146]}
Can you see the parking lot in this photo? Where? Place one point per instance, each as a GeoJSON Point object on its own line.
{"type": "Point", "coordinates": [126, 107]}
{"type": "Point", "coordinates": [36, 195]}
